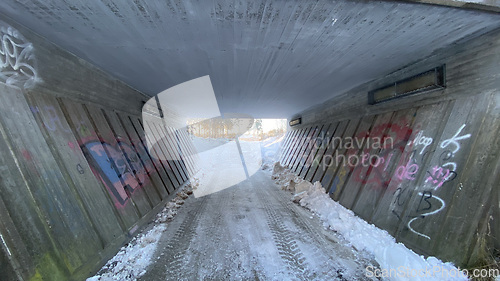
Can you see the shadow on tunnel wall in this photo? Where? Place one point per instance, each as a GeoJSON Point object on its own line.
{"type": "Point", "coordinates": [77, 179]}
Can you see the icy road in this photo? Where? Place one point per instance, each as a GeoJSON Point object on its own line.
{"type": "Point", "coordinates": [239, 228]}
{"type": "Point", "coordinates": [241, 225]}
{"type": "Point", "coordinates": [251, 231]}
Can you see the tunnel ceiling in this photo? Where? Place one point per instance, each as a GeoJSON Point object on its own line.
{"type": "Point", "coordinates": [268, 59]}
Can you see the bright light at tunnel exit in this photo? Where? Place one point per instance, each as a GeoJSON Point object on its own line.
{"type": "Point", "coordinates": [227, 149]}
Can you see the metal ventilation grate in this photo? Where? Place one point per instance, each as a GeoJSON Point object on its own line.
{"type": "Point", "coordinates": [295, 122]}
{"type": "Point", "coordinates": [423, 82]}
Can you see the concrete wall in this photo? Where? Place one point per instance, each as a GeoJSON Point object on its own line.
{"type": "Point", "coordinates": [76, 180]}
{"type": "Point", "coordinates": [434, 177]}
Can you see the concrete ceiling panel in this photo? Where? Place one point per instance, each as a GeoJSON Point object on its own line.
{"type": "Point", "coordinates": [264, 58]}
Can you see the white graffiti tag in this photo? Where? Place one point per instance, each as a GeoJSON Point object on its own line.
{"type": "Point", "coordinates": [17, 62]}
{"type": "Point", "coordinates": [420, 139]}
{"type": "Point", "coordinates": [452, 166]}
{"type": "Point", "coordinates": [454, 140]}
{"type": "Point", "coordinates": [438, 175]}
{"type": "Point", "coordinates": [422, 216]}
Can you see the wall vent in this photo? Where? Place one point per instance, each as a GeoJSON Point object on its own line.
{"type": "Point", "coordinates": [424, 82]}
{"type": "Point", "coordinates": [295, 122]}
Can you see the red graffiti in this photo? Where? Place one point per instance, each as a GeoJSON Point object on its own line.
{"type": "Point", "coordinates": [27, 155]}
{"type": "Point", "coordinates": [72, 146]}
{"type": "Point", "coordinates": [393, 138]}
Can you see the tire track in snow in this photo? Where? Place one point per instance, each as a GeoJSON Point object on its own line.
{"type": "Point", "coordinates": [181, 241]}
{"type": "Point", "coordinates": [312, 236]}
{"type": "Point", "coordinates": [242, 233]}
{"type": "Point", "coordinates": [341, 261]}
{"type": "Point", "coordinates": [211, 223]}
{"type": "Point", "coordinates": [175, 252]}
{"type": "Point", "coordinates": [284, 241]}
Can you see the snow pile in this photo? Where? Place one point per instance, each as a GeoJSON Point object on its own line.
{"type": "Point", "coordinates": [170, 209]}
{"type": "Point", "coordinates": [395, 260]}
{"type": "Point", "coordinates": [132, 260]}
{"type": "Point", "coordinates": [270, 149]}
{"type": "Point", "coordinates": [289, 181]}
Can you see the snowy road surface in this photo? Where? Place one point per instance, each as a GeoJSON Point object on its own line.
{"type": "Point", "coordinates": [251, 231]}
{"type": "Point", "coordinates": [239, 228]}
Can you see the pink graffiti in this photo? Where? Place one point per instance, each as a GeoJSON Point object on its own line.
{"type": "Point", "coordinates": [27, 155]}
{"type": "Point", "coordinates": [119, 170]}
{"type": "Point", "coordinates": [438, 176]}
{"type": "Point", "coordinates": [406, 172]}
{"type": "Point", "coordinates": [376, 167]}
{"type": "Point", "coordinates": [71, 145]}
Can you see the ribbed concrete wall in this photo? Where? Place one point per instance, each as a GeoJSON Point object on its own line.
{"type": "Point", "coordinates": [426, 167]}
{"type": "Point", "coordinates": [76, 180]}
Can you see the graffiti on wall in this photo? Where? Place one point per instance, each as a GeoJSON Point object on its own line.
{"type": "Point", "coordinates": [403, 160]}
{"type": "Point", "coordinates": [394, 138]}
{"type": "Point", "coordinates": [414, 170]}
{"type": "Point", "coordinates": [52, 122]}
{"type": "Point", "coordinates": [117, 166]}
{"type": "Point", "coordinates": [417, 156]}
{"type": "Point", "coordinates": [436, 177]}
{"type": "Point", "coordinates": [17, 61]}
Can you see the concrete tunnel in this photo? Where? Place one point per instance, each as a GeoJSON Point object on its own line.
{"type": "Point", "coordinates": [390, 155]}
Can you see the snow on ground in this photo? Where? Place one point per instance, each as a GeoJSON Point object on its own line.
{"type": "Point", "coordinates": [132, 260]}
{"type": "Point", "coordinates": [222, 165]}
{"type": "Point", "coordinates": [250, 231]}
{"type": "Point", "coordinates": [271, 148]}
{"type": "Point", "coordinates": [396, 261]}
